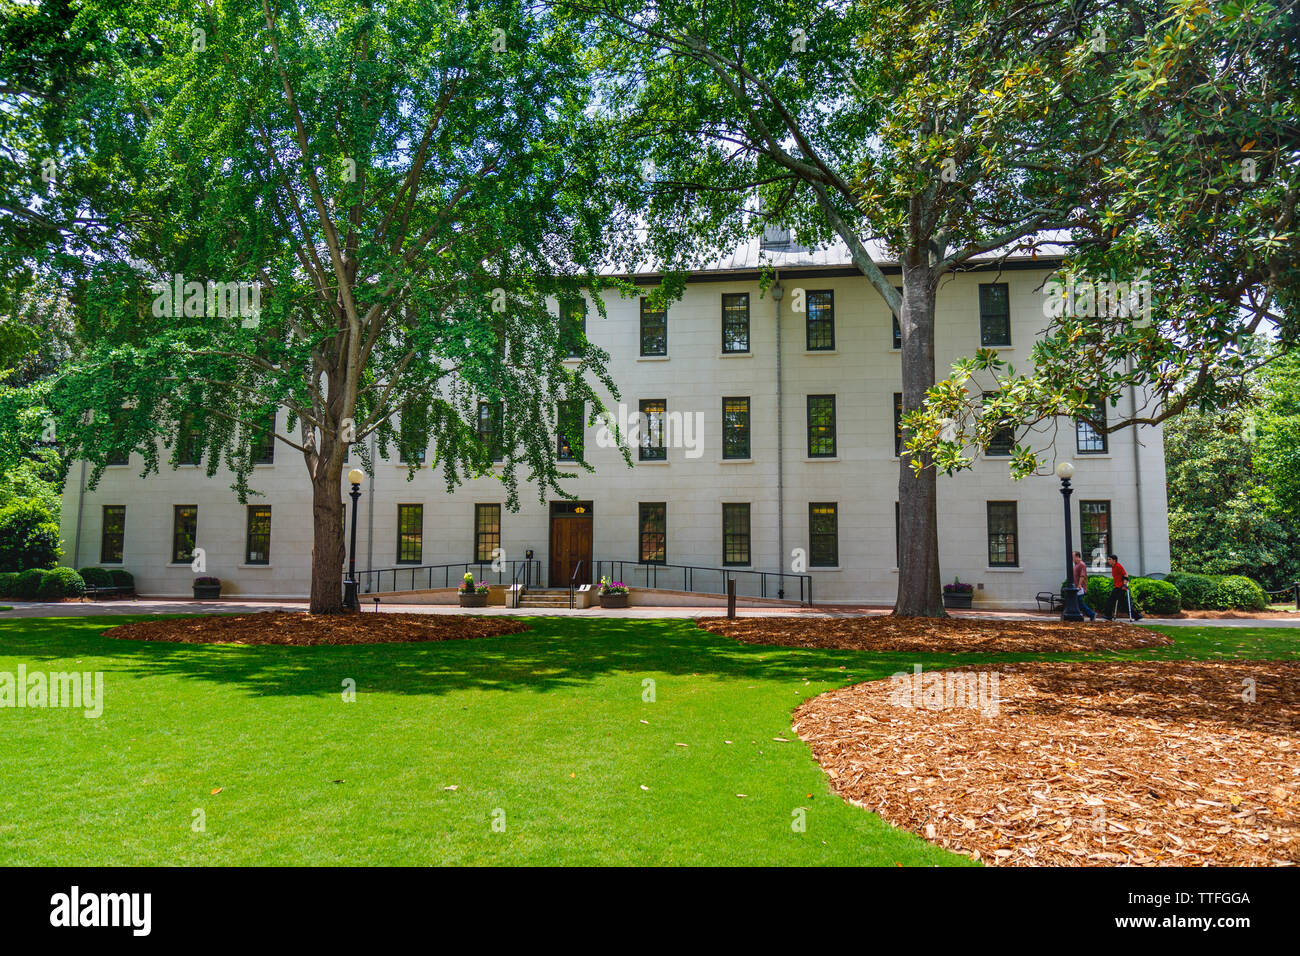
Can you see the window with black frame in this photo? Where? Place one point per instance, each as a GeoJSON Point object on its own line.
{"type": "Point", "coordinates": [1004, 549]}
{"type": "Point", "coordinates": [258, 547]}
{"type": "Point", "coordinates": [1003, 441]}
{"type": "Point", "coordinates": [489, 427]}
{"type": "Point", "coordinates": [264, 442]}
{"type": "Point", "coordinates": [410, 534]}
{"type": "Point", "coordinates": [735, 534]}
{"type": "Point", "coordinates": [189, 442]}
{"type": "Point", "coordinates": [487, 531]}
{"type": "Point", "coordinates": [823, 535]}
{"type": "Point", "coordinates": [569, 431]}
{"type": "Point", "coordinates": [654, 330]}
{"type": "Point", "coordinates": [995, 315]}
{"type": "Point", "coordinates": [112, 535]}
{"type": "Point", "coordinates": [735, 428]}
{"type": "Point", "coordinates": [821, 426]}
{"type": "Point", "coordinates": [820, 305]}
{"type": "Point", "coordinates": [1090, 430]}
{"type": "Point", "coordinates": [898, 424]}
{"type": "Point", "coordinates": [653, 524]}
{"type": "Point", "coordinates": [185, 526]}
{"type": "Point", "coordinates": [1094, 531]}
{"type": "Point", "coordinates": [652, 446]}
{"type": "Point", "coordinates": [735, 322]}
{"type": "Point", "coordinates": [573, 325]}
{"type": "Point", "coordinates": [898, 329]}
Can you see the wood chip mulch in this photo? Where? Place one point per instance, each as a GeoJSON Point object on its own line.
{"type": "Point", "coordinates": [1160, 763]}
{"type": "Point", "coordinates": [286, 627]}
{"type": "Point", "coordinates": [942, 635]}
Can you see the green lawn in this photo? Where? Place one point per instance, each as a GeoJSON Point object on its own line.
{"type": "Point", "coordinates": [548, 727]}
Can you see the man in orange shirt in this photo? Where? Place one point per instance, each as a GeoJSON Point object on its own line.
{"type": "Point", "coordinates": [1119, 581]}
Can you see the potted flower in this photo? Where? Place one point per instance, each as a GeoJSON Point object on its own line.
{"type": "Point", "coordinates": [207, 588]}
{"type": "Point", "coordinates": [612, 593]}
{"type": "Point", "coordinates": [472, 593]}
{"type": "Point", "coordinates": [958, 594]}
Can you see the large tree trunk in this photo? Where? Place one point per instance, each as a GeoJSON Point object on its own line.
{"type": "Point", "coordinates": [920, 593]}
{"type": "Point", "coordinates": [327, 550]}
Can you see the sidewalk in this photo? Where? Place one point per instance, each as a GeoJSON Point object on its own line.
{"type": "Point", "coordinates": [173, 606]}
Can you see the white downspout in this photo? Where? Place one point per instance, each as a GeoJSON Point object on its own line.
{"type": "Point", "coordinates": [1137, 478]}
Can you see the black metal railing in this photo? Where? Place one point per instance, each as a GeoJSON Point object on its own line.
{"type": "Point", "coordinates": [1292, 591]}
{"type": "Point", "coordinates": [702, 580]}
{"type": "Point", "coordinates": [573, 586]}
{"type": "Point", "coordinates": [427, 577]}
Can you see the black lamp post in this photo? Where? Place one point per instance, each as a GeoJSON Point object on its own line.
{"type": "Point", "coordinates": [355, 476]}
{"type": "Point", "coordinates": [1070, 595]}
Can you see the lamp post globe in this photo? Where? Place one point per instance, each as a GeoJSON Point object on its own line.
{"type": "Point", "coordinates": [1070, 610]}
{"type": "Point", "coordinates": [350, 602]}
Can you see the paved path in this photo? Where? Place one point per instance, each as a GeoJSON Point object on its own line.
{"type": "Point", "coordinates": [162, 606]}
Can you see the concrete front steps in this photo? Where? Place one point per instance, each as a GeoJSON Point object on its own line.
{"type": "Point", "coordinates": [545, 597]}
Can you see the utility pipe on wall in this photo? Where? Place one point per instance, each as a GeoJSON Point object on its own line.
{"type": "Point", "coordinates": [777, 293]}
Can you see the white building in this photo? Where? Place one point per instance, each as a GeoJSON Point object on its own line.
{"type": "Point", "coordinates": [804, 471]}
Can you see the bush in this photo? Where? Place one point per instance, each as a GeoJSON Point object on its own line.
{"type": "Point", "coordinates": [1155, 597]}
{"type": "Point", "coordinates": [7, 581]}
{"type": "Point", "coordinates": [1099, 588]}
{"type": "Point", "coordinates": [28, 583]}
{"type": "Point", "coordinates": [60, 583]}
{"type": "Point", "coordinates": [1197, 589]}
{"type": "Point", "coordinates": [97, 577]}
{"type": "Point", "coordinates": [1238, 592]}
{"type": "Point", "coordinates": [29, 536]}
{"type": "Point", "coordinates": [121, 578]}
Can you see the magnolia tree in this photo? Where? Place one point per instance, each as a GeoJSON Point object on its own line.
{"type": "Point", "coordinates": [940, 133]}
{"type": "Point", "coordinates": [362, 217]}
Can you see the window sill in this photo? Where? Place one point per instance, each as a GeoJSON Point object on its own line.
{"type": "Point", "coordinates": [1093, 455]}
{"type": "Point", "coordinates": [812, 568]}
{"type": "Point", "coordinates": [655, 462]}
{"type": "Point", "coordinates": [652, 358]}
{"type": "Point", "coordinates": [1005, 570]}
{"type": "Point", "coordinates": [254, 567]}
{"type": "Point", "coordinates": [735, 461]}
{"type": "Point", "coordinates": [821, 351]}
{"type": "Point", "coordinates": [727, 355]}
{"type": "Point", "coordinates": [821, 459]}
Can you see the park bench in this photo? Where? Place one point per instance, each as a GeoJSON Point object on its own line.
{"type": "Point", "coordinates": [1051, 599]}
{"type": "Point", "coordinates": [111, 590]}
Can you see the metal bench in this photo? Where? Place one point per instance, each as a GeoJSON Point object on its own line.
{"type": "Point", "coordinates": [93, 592]}
{"type": "Point", "coordinates": [1051, 599]}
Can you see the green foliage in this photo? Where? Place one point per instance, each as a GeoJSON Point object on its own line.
{"type": "Point", "coordinates": [8, 579]}
{"type": "Point", "coordinates": [1239, 592]}
{"type": "Point", "coordinates": [1099, 588]}
{"type": "Point", "coordinates": [1155, 597]}
{"type": "Point", "coordinates": [122, 578]}
{"type": "Point", "coordinates": [1197, 590]}
{"type": "Point", "coordinates": [60, 583]}
{"type": "Point", "coordinates": [29, 536]}
{"type": "Point", "coordinates": [97, 577]}
{"type": "Point", "coordinates": [28, 583]}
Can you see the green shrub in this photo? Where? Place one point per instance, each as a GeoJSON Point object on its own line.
{"type": "Point", "coordinates": [1197, 589]}
{"type": "Point", "coordinates": [1099, 588]}
{"type": "Point", "coordinates": [60, 583]}
{"type": "Point", "coordinates": [29, 536]}
{"type": "Point", "coordinates": [1155, 597]}
{"type": "Point", "coordinates": [97, 577]}
{"type": "Point", "coordinates": [1240, 593]}
{"type": "Point", "coordinates": [7, 581]}
{"type": "Point", "coordinates": [28, 583]}
{"type": "Point", "coordinates": [122, 578]}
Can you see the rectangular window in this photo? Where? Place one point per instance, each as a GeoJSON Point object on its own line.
{"type": "Point", "coordinates": [735, 322]}
{"type": "Point", "coordinates": [1092, 438]}
{"type": "Point", "coordinates": [112, 535]}
{"type": "Point", "coordinates": [189, 442]}
{"type": "Point", "coordinates": [653, 522]}
{"type": "Point", "coordinates": [569, 431]}
{"type": "Point", "coordinates": [487, 531]}
{"type": "Point", "coordinates": [898, 329]}
{"type": "Point", "coordinates": [1094, 531]}
{"type": "Point", "coordinates": [821, 426]}
{"type": "Point", "coordinates": [264, 442]}
{"type": "Point", "coordinates": [1004, 439]}
{"type": "Point", "coordinates": [653, 411]}
{"type": "Point", "coordinates": [821, 320]}
{"type": "Point", "coordinates": [573, 326]}
{"type": "Point", "coordinates": [735, 428]}
{"type": "Point", "coordinates": [898, 424]}
{"type": "Point", "coordinates": [489, 427]}
{"type": "Point", "coordinates": [995, 314]}
{"type": "Point", "coordinates": [654, 330]}
{"type": "Point", "coordinates": [185, 525]}
{"type": "Point", "coordinates": [410, 534]}
{"type": "Point", "coordinates": [413, 433]}
{"type": "Point", "coordinates": [735, 534]}
{"type": "Point", "coordinates": [258, 550]}
{"type": "Point", "coordinates": [1004, 549]}
{"type": "Point", "coordinates": [119, 458]}
{"type": "Point", "coordinates": [823, 535]}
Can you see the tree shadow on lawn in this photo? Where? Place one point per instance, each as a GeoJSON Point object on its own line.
{"type": "Point", "coordinates": [555, 653]}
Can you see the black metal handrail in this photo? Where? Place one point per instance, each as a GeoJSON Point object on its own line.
{"type": "Point", "coordinates": [424, 577]}
{"type": "Point", "coordinates": [763, 581]}
{"type": "Point", "coordinates": [1293, 590]}
{"type": "Point", "coordinates": [573, 584]}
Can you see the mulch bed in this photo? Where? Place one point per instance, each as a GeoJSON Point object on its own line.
{"type": "Point", "coordinates": [943, 635]}
{"type": "Point", "coordinates": [1150, 764]}
{"type": "Point", "coordinates": [286, 627]}
{"type": "Point", "coordinates": [1233, 615]}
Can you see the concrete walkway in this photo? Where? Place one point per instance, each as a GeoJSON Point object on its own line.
{"type": "Point", "coordinates": [182, 606]}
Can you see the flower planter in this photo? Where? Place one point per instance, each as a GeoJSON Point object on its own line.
{"type": "Point", "coordinates": [957, 600]}
{"type": "Point", "coordinates": [473, 599]}
{"type": "Point", "coordinates": [613, 600]}
{"type": "Point", "coordinates": [206, 592]}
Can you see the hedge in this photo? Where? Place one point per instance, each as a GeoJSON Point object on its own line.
{"type": "Point", "coordinates": [1197, 589]}
{"type": "Point", "coordinates": [1155, 597]}
{"type": "Point", "coordinates": [28, 583]}
{"type": "Point", "coordinates": [60, 583]}
{"type": "Point", "coordinates": [97, 577]}
{"type": "Point", "coordinates": [122, 578]}
{"type": "Point", "coordinates": [29, 536]}
{"type": "Point", "coordinates": [7, 581]}
{"type": "Point", "coordinates": [1219, 592]}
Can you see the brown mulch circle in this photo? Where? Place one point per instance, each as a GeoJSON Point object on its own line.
{"type": "Point", "coordinates": [942, 635]}
{"type": "Point", "coordinates": [1159, 763]}
{"type": "Point", "coordinates": [291, 628]}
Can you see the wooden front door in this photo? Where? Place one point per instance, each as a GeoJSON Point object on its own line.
{"type": "Point", "coordinates": [570, 543]}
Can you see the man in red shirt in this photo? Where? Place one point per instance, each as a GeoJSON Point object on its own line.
{"type": "Point", "coordinates": [1119, 580]}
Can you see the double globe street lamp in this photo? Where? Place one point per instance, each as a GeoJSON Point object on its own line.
{"type": "Point", "coordinates": [350, 601]}
{"type": "Point", "coordinates": [1070, 594]}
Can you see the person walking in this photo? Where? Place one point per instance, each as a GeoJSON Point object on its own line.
{"type": "Point", "coordinates": [1081, 583]}
{"type": "Point", "coordinates": [1119, 582]}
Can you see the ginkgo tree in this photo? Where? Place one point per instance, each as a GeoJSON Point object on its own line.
{"type": "Point", "coordinates": [360, 216]}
